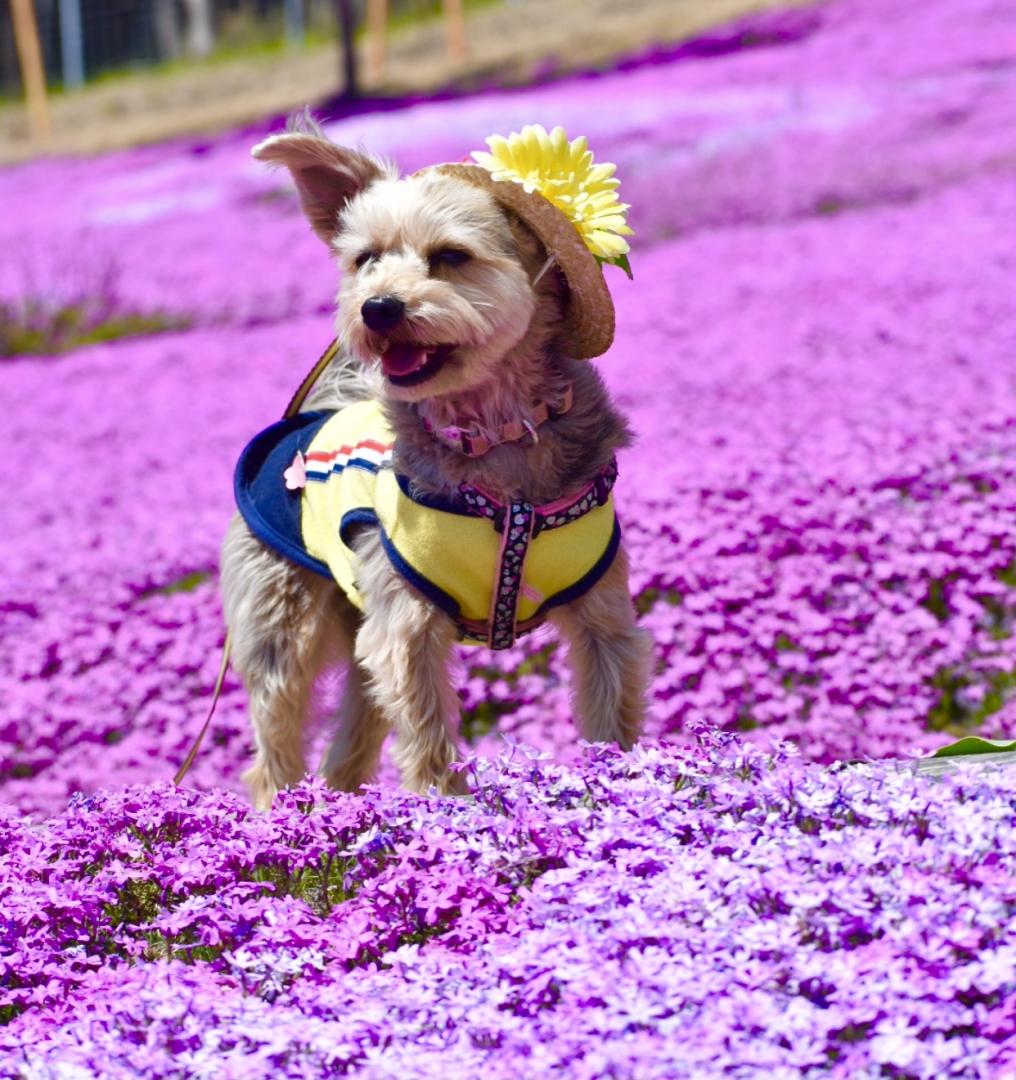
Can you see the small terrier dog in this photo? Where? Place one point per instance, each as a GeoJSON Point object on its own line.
{"type": "Point", "coordinates": [457, 328]}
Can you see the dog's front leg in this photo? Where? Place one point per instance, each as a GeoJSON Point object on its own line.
{"type": "Point", "coordinates": [403, 645]}
{"type": "Point", "coordinates": [610, 658]}
{"type": "Point", "coordinates": [283, 631]}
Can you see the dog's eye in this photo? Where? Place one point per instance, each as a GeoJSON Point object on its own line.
{"type": "Point", "coordinates": [363, 258]}
{"type": "Point", "coordinates": [448, 257]}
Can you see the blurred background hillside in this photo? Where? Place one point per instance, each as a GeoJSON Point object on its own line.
{"type": "Point", "coordinates": [124, 72]}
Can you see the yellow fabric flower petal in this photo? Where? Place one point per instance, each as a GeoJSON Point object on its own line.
{"type": "Point", "coordinates": [564, 173]}
{"type": "Point", "coordinates": [606, 244]}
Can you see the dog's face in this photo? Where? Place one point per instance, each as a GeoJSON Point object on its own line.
{"type": "Point", "coordinates": [436, 278]}
{"type": "Point", "coordinates": [433, 284]}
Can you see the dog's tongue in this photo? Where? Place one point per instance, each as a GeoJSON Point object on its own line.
{"type": "Point", "coordinates": [403, 358]}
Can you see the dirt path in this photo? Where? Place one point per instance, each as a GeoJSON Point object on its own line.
{"type": "Point", "coordinates": [505, 48]}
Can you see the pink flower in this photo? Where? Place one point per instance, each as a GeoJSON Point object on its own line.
{"type": "Point", "coordinates": [296, 475]}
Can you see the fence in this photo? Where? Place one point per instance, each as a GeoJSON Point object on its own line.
{"type": "Point", "coordinates": [81, 39]}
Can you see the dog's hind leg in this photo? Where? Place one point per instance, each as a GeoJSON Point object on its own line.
{"type": "Point", "coordinates": [284, 630]}
{"type": "Point", "coordinates": [610, 658]}
{"type": "Point", "coordinates": [403, 645]}
{"type": "Point", "coordinates": [352, 757]}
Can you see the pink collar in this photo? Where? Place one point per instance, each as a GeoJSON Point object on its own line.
{"type": "Point", "coordinates": [473, 444]}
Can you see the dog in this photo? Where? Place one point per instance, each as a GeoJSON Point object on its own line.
{"type": "Point", "coordinates": [460, 314]}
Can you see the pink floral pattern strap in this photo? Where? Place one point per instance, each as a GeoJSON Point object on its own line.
{"type": "Point", "coordinates": [520, 520]}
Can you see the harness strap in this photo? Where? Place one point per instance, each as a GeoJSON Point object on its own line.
{"type": "Point", "coordinates": [504, 602]}
{"type": "Point", "coordinates": [519, 523]}
{"type": "Point", "coordinates": [552, 515]}
{"type": "Point", "coordinates": [294, 406]}
{"type": "Point", "coordinates": [312, 376]}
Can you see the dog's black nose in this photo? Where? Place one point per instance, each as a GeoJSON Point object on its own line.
{"type": "Point", "coordinates": [382, 313]}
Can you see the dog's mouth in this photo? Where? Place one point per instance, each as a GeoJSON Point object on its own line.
{"type": "Point", "coordinates": [408, 363]}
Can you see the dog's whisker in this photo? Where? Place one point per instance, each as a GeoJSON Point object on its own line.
{"type": "Point", "coordinates": [546, 266]}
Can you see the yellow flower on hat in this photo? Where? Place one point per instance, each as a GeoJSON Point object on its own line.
{"type": "Point", "coordinates": [563, 173]}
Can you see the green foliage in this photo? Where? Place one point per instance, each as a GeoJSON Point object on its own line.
{"type": "Point", "coordinates": [971, 745]}
{"type": "Point", "coordinates": [619, 261]}
{"type": "Point", "coordinates": [956, 710]}
{"type": "Point", "coordinates": [140, 901]}
{"type": "Point", "coordinates": [649, 598]}
{"type": "Point", "coordinates": [829, 206]}
{"type": "Point", "coordinates": [483, 717]}
{"type": "Point", "coordinates": [32, 329]}
{"type": "Point", "coordinates": [937, 599]}
{"type": "Point", "coordinates": [187, 583]}
{"type": "Point", "coordinates": [745, 721]}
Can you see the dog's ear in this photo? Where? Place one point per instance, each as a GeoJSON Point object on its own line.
{"type": "Point", "coordinates": [327, 176]}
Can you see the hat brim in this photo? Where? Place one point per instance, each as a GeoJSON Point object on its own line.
{"type": "Point", "coordinates": [589, 324]}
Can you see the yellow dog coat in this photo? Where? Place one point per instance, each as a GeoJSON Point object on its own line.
{"type": "Point", "coordinates": [305, 484]}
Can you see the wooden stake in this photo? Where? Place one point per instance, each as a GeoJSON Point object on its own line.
{"type": "Point", "coordinates": [33, 74]}
{"type": "Point", "coordinates": [347, 28]}
{"type": "Point", "coordinates": [377, 38]}
{"type": "Point", "coordinates": [455, 29]}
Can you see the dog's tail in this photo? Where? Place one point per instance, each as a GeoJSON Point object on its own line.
{"type": "Point", "coordinates": [343, 381]}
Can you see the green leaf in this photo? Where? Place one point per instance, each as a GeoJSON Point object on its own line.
{"type": "Point", "coordinates": [621, 261]}
{"type": "Point", "coordinates": [974, 744]}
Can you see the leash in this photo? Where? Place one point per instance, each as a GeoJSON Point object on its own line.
{"type": "Point", "coordinates": [294, 406]}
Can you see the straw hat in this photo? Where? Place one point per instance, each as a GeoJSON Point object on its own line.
{"type": "Point", "coordinates": [571, 204]}
{"type": "Point", "coordinates": [589, 324]}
